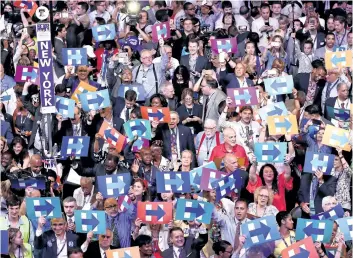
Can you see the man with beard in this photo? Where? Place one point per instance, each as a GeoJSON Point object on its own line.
{"type": "Point", "coordinates": [207, 140]}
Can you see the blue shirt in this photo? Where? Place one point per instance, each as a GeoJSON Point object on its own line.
{"type": "Point", "coordinates": [313, 146]}
{"type": "Point", "coordinates": [7, 83]}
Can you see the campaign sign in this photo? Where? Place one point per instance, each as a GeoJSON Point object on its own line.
{"type": "Point", "coordinates": [49, 207]}
{"type": "Point", "coordinates": [270, 151]}
{"type": "Point", "coordinates": [156, 114]}
{"type": "Point", "coordinates": [130, 252]}
{"type": "Point", "coordinates": [160, 31]}
{"type": "Point", "coordinates": [75, 146]}
{"type": "Point", "coordinates": [346, 227]}
{"type": "Point", "coordinates": [208, 177]}
{"type": "Point", "coordinates": [227, 184]}
{"type": "Point", "coordinates": [94, 100]}
{"type": "Point", "coordinates": [279, 85]}
{"type": "Point", "coordinates": [22, 183]}
{"type": "Point", "coordinates": [4, 242]}
{"type": "Point", "coordinates": [336, 137]}
{"type": "Point", "coordinates": [319, 230]}
{"type": "Point", "coordinates": [104, 32]}
{"type": "Point", "coordinates": [74, 56]}
{"type": "Point", "coordinates": [315, 161]}
{"type": "Point", "coordinates": [196, 173]}
{"type": "Point", "coordinates": [155, 212]}
{"type": "Point", "coordinates": [192, 209]}
{"type": "Point", "coordinates": [87, 221]}
{"type": "Point", "coordinates": [112, 136]}
{"type": "Point", "coordinates": [243, 96]}
{"type": "Point", "coordinates": [65, 107]}
{"type": "Point", "coordinates": [300, 249]}
{"type": "Point", "coordinates": [177, 182]}
{"type": "Point", "coordinates": [273, 109]}
{"type": "Point", "coordinates": [336, 212]}
{"type": "Point", "coordinates": [139, 127]}
{"type": "Point", "coordinates": [229, 45]}
{"type": "Point", "coordinates": [280, 125]}
{"type": "Point", "coordinates": [114, 185]}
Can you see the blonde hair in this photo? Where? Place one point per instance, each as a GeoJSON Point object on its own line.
{"type": "Point", "coordinates": [12, 235]}
{"type": "Point", "coordinates": [270, 194]}
{"type": "Point", "coordinates": [6, 147]}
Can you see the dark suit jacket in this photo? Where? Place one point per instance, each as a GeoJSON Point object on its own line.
{"type": "Point", "coordinates": [98, 121]}
{"type": "Point", "coordinates": [93, 250]}
{"type": "Point", "coordinates": [47, 242]}
{"type": "Point", "coordinates": [151, 181]}
{"type": "Point", "coordinates": [186, 140]}
{"type": "Point", "coordinates": [301, 83]}
{"type": "Point", "coordinates": [330, 102]}
{"type": "Point", "coordinates": [201, 63]}
{"type": "Point", "coordinates": [65, 130]}
{"type": "Point", "coordinates": [192, 247]}
{"type": "Point", "coordinates": [6, 131]}
{"type": "Point", "coordinates": [231, 80]}
{"type": "Point", "coordinates": [58, 63]}
{"type": "Point", "coordinates": [326, 189]}
{"type": "Point", "coordinates": [173, 103]}
{"type": "Point", "coordinates": [302, 37]}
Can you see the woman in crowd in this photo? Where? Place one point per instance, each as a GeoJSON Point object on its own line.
{"type": "Point", "coordinates": [18, 249]}
{"type": "Point", "coordinates": [159, 161]}
{"type": "Point", "coordinates": [181, 81]}
{"type": "Point", "coordinates": [262, 205]}
{"type": "Point", "coordinates": [253, 61]}
{"type": "Point", "coordinates": [19, 151]}
{"type": "Point", "coordinates": [190, 114]}
{"type": "Point", "coordinates": [186, 162]}
{"type": "Point", "coordinates": [273, 51]}
{"type": "Point", "coordinates": [313, 138]}
{"type": "Point", "coordinates": [286, 226]}
{"type": "Point", "coordinates": [158, 100]}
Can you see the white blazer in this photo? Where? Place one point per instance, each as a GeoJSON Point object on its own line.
{"type": "Point", "coordinates": [258, 24]}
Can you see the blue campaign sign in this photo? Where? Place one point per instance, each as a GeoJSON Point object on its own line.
{"type": "Point", "coordinates": [139, 127]}
{"type": "Point", "coordinates": [319, 230]}
{"type": "Point", "coordinates": [65, 107]}
{"type": "Point", "coordinates": [114, 185]}
{"type": "Point", "coordinates": [338, 113]}
{"type": "Point", "coordinates": [270, 151]}
{"type": "Point", "coordinates": [94, 100]}
{"type": "Point", "coordinates": [260, 231]}
{"type": "Point", "coordinates": [196, 173]}
{"type": "Point", "coordinates": [49, 207]}
{"type": "Point", "coordinates": [104, 32]}
{"type": "Point", "coordinates": [74, 56]}
{"type": "Point", "coordinates": [227, 184]}
{"type": "Point", "coordinates": [177, 182]}
{"type": "Point", "coordinates": [346, 227]}
{"type": "Point", "coordinates": [332, 214]}
{"type": "Point", "coordinates": [87, 221]}
{"type": "Point", "coordinates": [75, 146]}
{"type": "Point", "coordinates": [4, 242]}
{"type": "Point", "coordinates": [22, 183]}
{"type": "Point", "coordinates": [279, 85]}
{"type": "Point", "coordinates": [273, 109]}
{"type": "Point", "coordinates": [315, 161]}
{"type": "Point", "coordinates": [140, 91]}
{"type": "Point", "coordinates": [193, 209]}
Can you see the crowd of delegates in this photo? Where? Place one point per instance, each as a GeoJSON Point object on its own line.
{"type": "Point", "coordinates": [274, 38]}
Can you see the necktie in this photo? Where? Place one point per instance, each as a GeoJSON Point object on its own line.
{"type": "Point", "coordinates": [206, 106]}
{"type": "Point", "coordinates": [247, 131]}
{"type": "Point", "coordinates": [342, 106]}
{"type": "Point", "coordinates": [182, 253]}
{"type": "Point", "coordinates": [104, 255]}
{"type": "Point", "coordinates": [315, 183]}
{"type": "Point", "coordinates": [127, 115]}
{"type": "Point", "coordinates": [237, 234]}
{"type": "Point", "coordinates": [69, 220]}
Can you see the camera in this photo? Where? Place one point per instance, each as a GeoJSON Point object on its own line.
{"type": "Point", "coordinates": [133, 9]}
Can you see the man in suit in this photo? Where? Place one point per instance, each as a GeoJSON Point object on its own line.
{"type": "Point", "coordinates": [98, 248]}
{"type": "Point", "coordinates": [122, 107]}
{"type": "Point", "coordinates": [312, 83]}
{"type": "Point", "coordinates": [59, 44]}
{"type": "Point", "coordinates": [193, 61]}
{"type": "Point", "coordinates": [329, 44]}
{"type": "Point", "coordinates": [95, 121]}
{"type": "Point", "coordinates": [237, 79]}
{"type": "Point", "coordinates": [314, 187]}
{"type": "Point", "coordinates": [176, 138]}
{"type": "Point", "coordinates": [264, 25]}
{"type": "Point", "coordinates": [109, 167]}
{"type": "Point", "coordinates": [311, 32]}
{"type": "Point", "coordinates": [167, 90]}
{"type": "Point", "coordinates": [185, 247]}
{"type": "Point", "coordinates": [214, 99]}
{"type": "Point", "coordinates": [55, 242]}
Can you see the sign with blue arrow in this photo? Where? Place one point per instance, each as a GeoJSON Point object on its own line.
{"type": "Point", "coordinates": [338, 113]}
{"type": "Point", "coordinates": [75, 146]}
{"type": "Point", "coordinates": [22, 183]}
{"type": "Point", "coordinates": [194, 210]}
{"type": "Point", "coordinates": [74, 56]}
{"type": "Point", "coordinates": [139, 127]}
{"type": "Point", "coordinates": [273, 109]}
{"type": "Point", "coordinates": [43, 206]}
{"type": "Point", "coordinates": [301, 249]}
{"type": "Point", "coordinates": [155, 212]}
{"type": "Point", "coordinates": [336, 212]}
{"type": "Point", "coordinates": [104, 32]}
{"type": "Point", "coordinates": [227, 184]}
{"type": "Point", "coordinates": [65, 107]}
{"type": "Point", "coordinates": [114, 185]}
{"type": "Point", "coordinates": [280, 125]}
{"type": "Point", "coordinates": [346, 227]}
{"type": "Point", "coordinates": [87, 220]}
{"type": "Point", "coordinates": [319, 230]}
{"type": "Point", "coordinates": [338, 59]}
{"type": "Point", "coordinates": [279, 85]}
{"type": "Point", "coordinates": [196, 173]}
{"type": "Point", "coordinates": [130, 252]}
{"type": "Point", "coordinates": [336, 137]}
{"type": "Point", "coordinates": [177, 182]}
{"type": "Point", "coordinates": [229, 45]}
{"type": "Point", "coordinates": [316, 160]}
{"type": "Point", "coordinates": [270, 151]}
{"type": "Point", "coordinates": [243, 96]}
{"type": "Point", "coordinates": [160, 31]}
{"type": "Point", "coordinates": [260, 231]}
{"type": "Point", "coordinates": [95, 100]}
{"type": "Point", "coordinates": [156, 114]}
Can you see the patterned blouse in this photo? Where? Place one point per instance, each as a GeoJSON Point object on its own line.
{"type": "Point", "coordinates": [343, 185]}
{"type": "Point", "coordinates": [269, 210]}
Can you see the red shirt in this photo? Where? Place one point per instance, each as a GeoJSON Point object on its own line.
{"type": "Point", "coordinates": [99, 54]}
{"type": "Point", "coordinates": [279, 200]}
{"type": "Point", "coordinates": [220, 151]}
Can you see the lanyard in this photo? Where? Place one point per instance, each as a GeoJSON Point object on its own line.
{"type": "Point", "coordinates": [290, 240]}
{"type": "Point", "coordinates": [62, 248]}
{"type": "Point", "coordinates": [187, 110]}
{"type": "Point", "coordinates": [208, 147]}
{"type": "Point", "coordinates": [344, 34]}
{"type": "Point", "coordinates": [329, 89]}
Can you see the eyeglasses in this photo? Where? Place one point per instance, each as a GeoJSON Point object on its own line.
{"type": "Point", "coordinates": [58, 225]}
{"type": "Point", "coordinates": [209, 128]}
{"type": "Point", "coordinates": [263, 196]}
{"type": "Point", "coordinates": [110, 207]}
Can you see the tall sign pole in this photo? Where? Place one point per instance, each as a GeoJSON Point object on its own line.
{"type": "Point", "coordinates": [46, 76]}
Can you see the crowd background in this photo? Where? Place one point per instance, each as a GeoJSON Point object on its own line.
{"type": "Point", "coordinates": [274, 38]}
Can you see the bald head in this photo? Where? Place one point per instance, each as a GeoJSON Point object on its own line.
{"type": "Point", "coordinates": [230, 162]}
{"type": "Point", "coordinates": [36, 163]}
{"type": "Point", "coordinates": [229, 137]}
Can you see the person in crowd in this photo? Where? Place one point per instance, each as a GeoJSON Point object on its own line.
{"type": "Point", "coordinates": [98, 248]}
{"type": "Point", "coordinates": [262, 205]}
{"type": "Point", "coordinates": [17, 248]}
{"type": "Point", "coordinates": [146, 246]}
{"type": "Point", "coordinates": [328, 47]}
{"type": "Point", "coordinates": [159, 161]}
{"type": "Point", "coordinates": [84, 194]}
{"type": "Point", "coordinates": [206, 140]}
{"type": "Point", "coordinates": [167, 90]}
{"type": "Point", "coordinates": [19, 152]}
{"type": "Point", "coordinates": [286, 226]}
